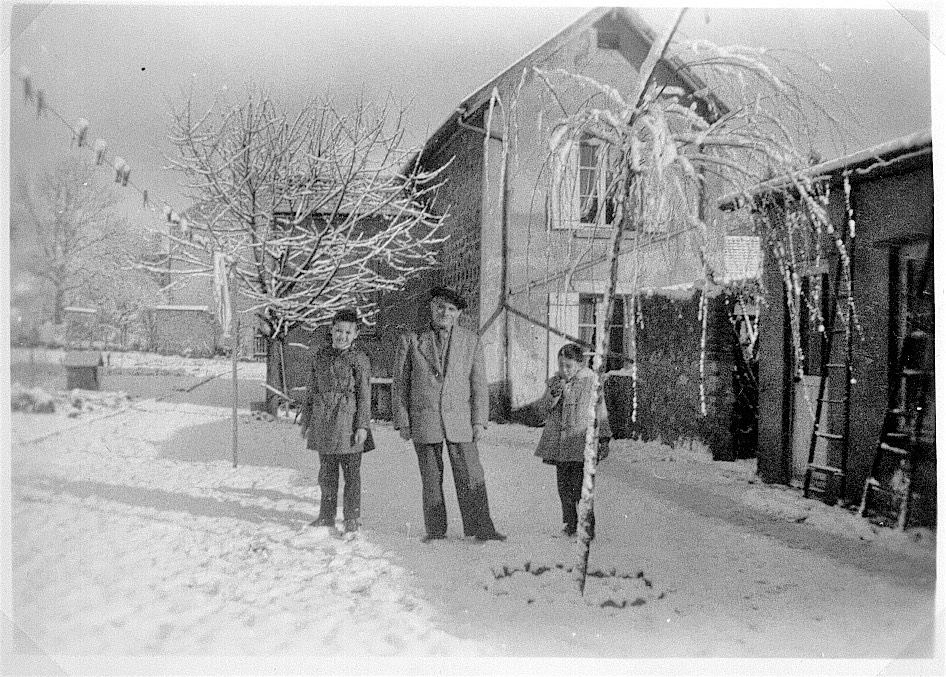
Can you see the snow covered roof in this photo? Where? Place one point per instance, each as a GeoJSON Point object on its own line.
{"type": "Point", "coordinates": [82, 358]}
{"type": "Point", "coordinates": [875, 158]}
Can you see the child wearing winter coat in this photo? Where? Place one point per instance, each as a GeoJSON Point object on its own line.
{"type": "Point", "coordinates": [567, 397]}
{"type": "Point", "coordinates": [335, 419]}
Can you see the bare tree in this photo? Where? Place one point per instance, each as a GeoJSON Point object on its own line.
{"type": "Point", "coordinates": [118, 288]}
{"type": "Point", "coordinates": [312, 206]}
{"type": "Point", "coordinates": [68, 218]}
{"type": "Point", "coordinates": [665, 146]}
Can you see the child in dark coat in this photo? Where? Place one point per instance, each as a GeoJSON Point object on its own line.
{"type": "Point", "coordinates": [335, 419]}
{"type": "Point", "coordinates": [567, 397]}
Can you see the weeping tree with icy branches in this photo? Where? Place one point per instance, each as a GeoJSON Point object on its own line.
{"type": "Point", "coordinates": [311, 207]}
{"type": "Point", "coordinates": [665, 148]}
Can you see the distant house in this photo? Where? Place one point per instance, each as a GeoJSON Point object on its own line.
{"type": "Point", "coordinates": [184, 330]}
{"type": "Point", "coordinates": [187, 322]}
{"type": "Point", "coordinates": [532, 249]}
{"type": "Point", "coordinates": [892, 201]}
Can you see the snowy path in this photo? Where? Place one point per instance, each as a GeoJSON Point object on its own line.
{"type": "Point", "coordinates": [706, 575]}
{"type": "Point", "coordinates": [120, 549]}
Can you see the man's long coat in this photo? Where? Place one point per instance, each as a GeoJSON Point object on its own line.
{"type": "Point", "coordinates": [440, 404]}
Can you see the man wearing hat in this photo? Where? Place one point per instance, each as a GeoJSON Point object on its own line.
{"type": "Point", "coordinates": [440, 395]}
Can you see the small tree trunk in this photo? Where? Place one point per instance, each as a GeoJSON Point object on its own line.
{"type": "Point", "coordinates": [59, 302]}
{"type": "Point", "coordinates": [275, 371]}
{"type": "Point", "coordinates": [602, 346]}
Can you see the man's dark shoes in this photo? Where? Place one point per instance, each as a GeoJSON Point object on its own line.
{"type": "Point", "coordinates": [351, 526]}
{"type": "Point", "coordinates": [323, 522]}
{"type": "Point", "coordinates": [432, 537]}
{"type": "Point", "coordinates": [492, 536]}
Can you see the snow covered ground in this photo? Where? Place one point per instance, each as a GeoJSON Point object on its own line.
{"type": "Point", "coordinates": [117, 550]}
{"type": "Point", "coordinates": [133, 535]}
{"type": "Point", "coordinates": [694, 464]}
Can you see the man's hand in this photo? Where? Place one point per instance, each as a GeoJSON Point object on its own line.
{"type": "Point", "coordinates": [405, 433]}
{"type": "Point", "coordinates": [478, 432]}
{"type": "Point", "coordinates": [303, 432]}
{"type": "Point", "coordinates": [360, 436]}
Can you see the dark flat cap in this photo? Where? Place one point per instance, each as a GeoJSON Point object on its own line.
{"type": "Point", "coordinates": [346, 315]}
{"type": "Point", "coordinates": [448, 295]}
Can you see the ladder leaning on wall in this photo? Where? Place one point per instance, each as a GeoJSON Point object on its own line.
{"type": "Point", "coordinates": [834, 390]}
{"type": "Point", "coordinates": [888, 492]}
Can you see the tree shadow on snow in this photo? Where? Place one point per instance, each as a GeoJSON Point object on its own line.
{"type": "Point", "coordinates": [199, 506]}
{"type": "Point", "coordinates": [260, 443]}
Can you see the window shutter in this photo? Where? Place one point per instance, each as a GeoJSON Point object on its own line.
{"type": "Point", "coordinates": [563, 198]}
{"type": "Point", "coordinates": [563, 315]}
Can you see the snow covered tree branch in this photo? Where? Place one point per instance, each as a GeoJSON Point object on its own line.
{"type": "Point", "coordinates": [318, 208]}
{"type": "Point", "coordinates": [664, 150]}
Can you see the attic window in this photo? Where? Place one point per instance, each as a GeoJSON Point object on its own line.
{"type": "Point", "coordinates": [608, 39]}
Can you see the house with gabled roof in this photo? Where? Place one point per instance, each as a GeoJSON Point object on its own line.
{"type": "Point", "coordinates": [530, 256]}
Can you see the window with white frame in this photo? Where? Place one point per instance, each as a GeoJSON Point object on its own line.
{"type": "Point", "coordinates": [593, 180]}
{"type": "Point", "coordinates": [581, 177]}
{"type": "Point", "coordinates": [590, 313]}
{"type": "Point", "coordinates": [587, 321]}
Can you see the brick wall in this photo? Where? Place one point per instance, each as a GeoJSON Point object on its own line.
{"type": "Point", "coordinates": [459, 259]}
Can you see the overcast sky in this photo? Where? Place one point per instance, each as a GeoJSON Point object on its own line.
{"type": "Point", "coordinates": [121, 66]}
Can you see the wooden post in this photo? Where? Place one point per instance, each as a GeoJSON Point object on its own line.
{"type": "Point", "coordinates": [234, 344]}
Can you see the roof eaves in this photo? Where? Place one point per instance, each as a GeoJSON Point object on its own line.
{"type": "Point", "coordinates": [481, 94]}
{"type": "Point", "coordinates": [862, 162]}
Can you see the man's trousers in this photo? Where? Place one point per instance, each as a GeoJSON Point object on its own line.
{"type": "Point", "coordinates": [469, 482]}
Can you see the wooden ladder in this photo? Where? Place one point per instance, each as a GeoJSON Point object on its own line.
{"type": "Point", "coordinates": [834, 394]}
{"type": "Point", "coordinates": [887, 491]}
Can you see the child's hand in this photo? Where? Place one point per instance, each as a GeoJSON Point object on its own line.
{"type": "Point", "coordinates": [556, 387]}
{"type": "Point", "coordinates": [360, 436]}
